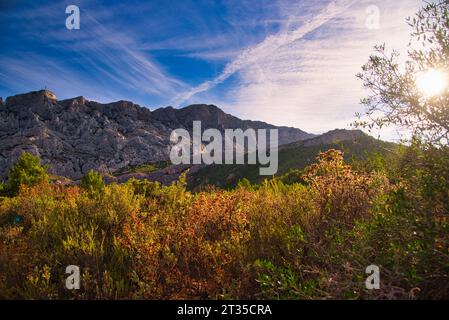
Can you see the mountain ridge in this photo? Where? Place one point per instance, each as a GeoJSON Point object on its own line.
{"type": "Point", "coordinates": [75, 135]}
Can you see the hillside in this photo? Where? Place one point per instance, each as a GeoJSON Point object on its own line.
{"type": "Point", "coordinates": [297, 155]}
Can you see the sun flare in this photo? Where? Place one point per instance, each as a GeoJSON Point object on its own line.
{"type": "Point", "coordinates": [432, 82]}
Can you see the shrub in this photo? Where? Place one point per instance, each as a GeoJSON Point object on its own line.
{"type": "Point", "coordinates": [244, 183]}
{"type": "Point", "coordinates": [343, 196]}
{"type": "Point", "coordinates": [409, 235]}
{"type": "Point", "coordinates": [64, 227]}
{"type": "Point", "coordinates": [93, 182]}
{"type": "Point", "coordinates": [26, 171]}
{"type": "Point", "coordinates": [292, 176]}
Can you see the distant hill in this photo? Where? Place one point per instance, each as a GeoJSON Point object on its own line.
{"type": "Point", "coordinates": [296, 155]}
{"type": "Point", "coordinates": [75, 135]}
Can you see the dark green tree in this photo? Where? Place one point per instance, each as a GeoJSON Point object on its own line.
{"type": "Point", "coordinates": [407, 95]}
{"type": "Point", "coordinates": [26, 171]}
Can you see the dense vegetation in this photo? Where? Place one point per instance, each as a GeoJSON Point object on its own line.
{"type": "Point", "coordinates": [307, 239]}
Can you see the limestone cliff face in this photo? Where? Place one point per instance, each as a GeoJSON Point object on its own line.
{"type": "Point", "coordinates": [76, 135]}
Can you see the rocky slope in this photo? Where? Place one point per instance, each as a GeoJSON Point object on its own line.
{"type": "Point", "coordinates": [76, 135]}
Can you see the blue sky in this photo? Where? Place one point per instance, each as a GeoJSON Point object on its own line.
{"type": "Point", "coordinates": [285, 62]}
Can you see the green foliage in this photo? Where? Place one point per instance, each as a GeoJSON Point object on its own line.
{"type": "Point", "coordinates": [244, 183]}
{"type": "Point", "coordinates": [26, 171]}
{"type": "Point", "coordinates": [292, 176]}
{"type": "Point", "coordinates": [395, 98]}
{"type": "Point", "coordinates": [277, 282]}
{"type": "Point", "coordinates": [93, 182]}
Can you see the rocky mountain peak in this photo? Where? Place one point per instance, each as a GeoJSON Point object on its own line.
{"type": "Point", "coordinates": [31, 98]}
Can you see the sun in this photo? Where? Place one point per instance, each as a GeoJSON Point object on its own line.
{"type": "Point", "coordinates": [432, 82]}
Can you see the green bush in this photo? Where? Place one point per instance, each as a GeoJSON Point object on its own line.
{"type": "Point", "coordinates": [292, 176]}
{"type": "Point", "coordinates": [93, 183]}
{"type": "Point", "coordinates": [244, 183]}
{"type": "Point", "coordinates": [26, 171]}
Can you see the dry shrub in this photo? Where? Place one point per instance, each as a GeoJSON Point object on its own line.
{"type": "Point", "coordinates": [342, 195]}
{"type": "Point", "coordinates": [191, 252]}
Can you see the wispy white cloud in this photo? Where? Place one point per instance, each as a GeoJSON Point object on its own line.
{"type": "Point", "coordinates": [214, 55]}
{"type": "Point", "coordinates": [135, 68]}
{"type": "Point", "coordinates": [51, 74]}
{"type": "Point", "coordinates": [268, 46]}
{"type": "Point", "coordinates": [107, 56]}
